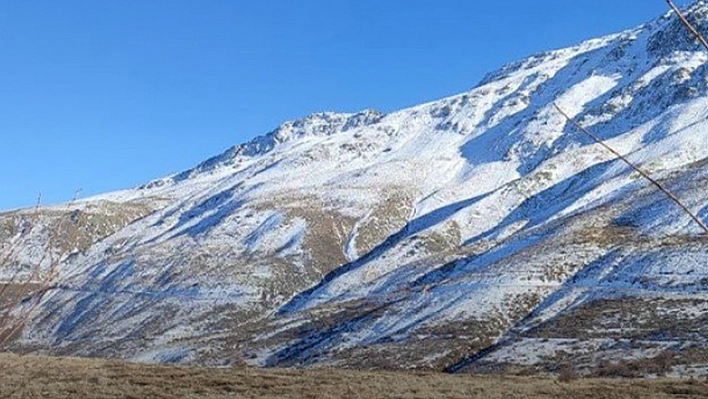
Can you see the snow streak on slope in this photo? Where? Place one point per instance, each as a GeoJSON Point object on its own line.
{"type": "Point", "coordinates": [444, 235]}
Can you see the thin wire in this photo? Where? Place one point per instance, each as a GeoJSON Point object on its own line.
{"type": "Point", "coordinates": [688, 25]}
{"type": "Point", "coordinates": [671, 196]}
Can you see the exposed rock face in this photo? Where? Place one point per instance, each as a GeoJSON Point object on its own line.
{"type": "Point", "coordinates": [479, 232]}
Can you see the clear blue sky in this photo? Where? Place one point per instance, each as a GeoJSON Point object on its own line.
{"type": "Point", "coordinates": [106, 94]}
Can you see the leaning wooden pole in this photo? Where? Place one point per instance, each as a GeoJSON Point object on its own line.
{"type": "Point", "coordinates": [671, 196]}
{"type": "Point", "coordinates": [688, 25]}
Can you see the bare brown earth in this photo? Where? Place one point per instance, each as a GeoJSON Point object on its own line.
{"type": "Point", "coordinates": [40, 377]}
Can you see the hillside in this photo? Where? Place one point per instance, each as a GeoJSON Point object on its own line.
{"type": "Point", "coordinates": [480, 232]}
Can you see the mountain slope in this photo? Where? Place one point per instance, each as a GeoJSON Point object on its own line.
{"type": "Point", "coordinates": [471, 233]}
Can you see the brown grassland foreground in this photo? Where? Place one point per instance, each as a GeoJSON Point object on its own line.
{"type": "Point", "coordinates": [39, 377]}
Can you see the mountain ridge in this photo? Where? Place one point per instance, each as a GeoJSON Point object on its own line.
{"type": "Point", "coordinates": [479, 232]}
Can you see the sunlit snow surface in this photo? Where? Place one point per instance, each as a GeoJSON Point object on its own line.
{"type": "Point", "coordinates": [421, 237]}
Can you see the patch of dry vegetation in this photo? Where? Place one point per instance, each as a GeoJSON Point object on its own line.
{"type": "Point", "coordinates": [384, 220]}
{"type": "Point", "coordinates": [37, 377]}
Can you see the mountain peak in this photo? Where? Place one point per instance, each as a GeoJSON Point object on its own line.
{"type": "Point", "coordinates": [322, 124]}
{"type": "Point", "coordinates": [421, 238]}
{"type": "Point", "coordinates": [319, 124]}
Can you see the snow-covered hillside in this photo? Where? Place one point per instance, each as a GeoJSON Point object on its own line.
{"type": "Point", "coordinates": [477, 232]}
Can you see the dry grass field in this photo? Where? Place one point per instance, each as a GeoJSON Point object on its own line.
{"type": "Point", "coordinates": [37, 377]}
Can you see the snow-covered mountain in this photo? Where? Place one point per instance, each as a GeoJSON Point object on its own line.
{"type": "Point", "coordinates": [478, 232]}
